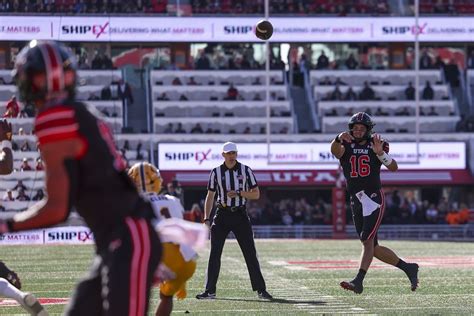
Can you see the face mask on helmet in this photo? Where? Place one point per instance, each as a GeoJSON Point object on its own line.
{"type": "Point", "coordinates": [146, 177]}
{"type": "Point", "coordinates": [45, 71]}
{"type": "Point", "coordinates": [364, 119]}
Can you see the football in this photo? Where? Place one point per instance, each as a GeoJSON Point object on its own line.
{"type": "Point", "coordinates": [264, 30]}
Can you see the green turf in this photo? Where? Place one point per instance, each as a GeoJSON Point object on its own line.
{"type": "Point", "coordinates": [52, 271]}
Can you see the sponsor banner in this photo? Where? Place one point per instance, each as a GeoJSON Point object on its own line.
{"type": "Point", "coordinates": [28, 28]}
{"type": "Point", "coordinates": [306, 156]}
{"type": "Point", "coordinates": [329, 177]}
{"type": "Point", "coordinates": [220, 29]}
{"type": "Point", "coordinates": [69, 235]}
{"type": "Point", "coordinates": [31, 237]}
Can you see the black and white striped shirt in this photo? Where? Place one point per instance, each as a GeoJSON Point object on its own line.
{"type": "Point", "coordinates": [223, 180]}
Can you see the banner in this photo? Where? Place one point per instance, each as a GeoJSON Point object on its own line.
{"type": "Point", "coordinates": [304, 156]}
{"type": "Point", "coordinates": [285, 178]}
{"type": "Point", "coordinates": [73, 235]}
{"type": "Point", "coordinates": [233, 29]}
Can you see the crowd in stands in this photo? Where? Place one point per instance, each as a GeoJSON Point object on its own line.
{"type": "Point", "coordinates": [84, 6]}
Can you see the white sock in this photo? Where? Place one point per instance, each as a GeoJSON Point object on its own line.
{"type": "Point", "coordinates": [8, 290]}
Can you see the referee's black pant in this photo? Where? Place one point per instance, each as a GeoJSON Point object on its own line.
{"type": "Point", "coordinates": [239, 223]}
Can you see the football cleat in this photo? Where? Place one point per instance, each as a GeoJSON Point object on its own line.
{"type": "Point", "coordinates": [264, 295]}
{"type": "Point", "coordinates": [353, 286]}
{"type": "Point", "coordinates": [9, 275]}
{"type": "Point", "coordinates": [412, 273]}
{"type": "Point", "coordinates": [206, 296]}
{"type": "Point", "coordinates": [33, 306]}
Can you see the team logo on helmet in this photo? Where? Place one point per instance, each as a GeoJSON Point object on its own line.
{"type": "Point", "coordinates": [146, 177]}
{"type": "Point", "coordinates": [45, 71]}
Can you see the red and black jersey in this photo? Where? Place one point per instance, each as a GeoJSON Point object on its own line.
{"type": "Point", "coordinates": [100, 189]}
{"type": "Point", "coordinates": [361, 166]}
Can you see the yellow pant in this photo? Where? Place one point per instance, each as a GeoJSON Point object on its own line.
{"type": "Point", "coordinates": [173, 259]}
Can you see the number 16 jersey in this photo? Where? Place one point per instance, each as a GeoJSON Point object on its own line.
{"type": "Point", "coordinates": [361, 166]}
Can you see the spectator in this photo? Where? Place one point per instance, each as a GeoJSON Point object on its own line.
{"type": "Point", "coordinates": [176, 82]}
{"type": "Point", "coordinates": [349, 112]}
{"type": "Point", "coordinates": [232, 93]}
{"type": "Point", "coordinates": [470, 60]}
{"type": "Point", "coordinates": [403, 112]}
{"type": "Point", "coordinates": [125, 92]}
{"type": "Point", "coordinates": [105, 94]}
{"type": "Point", "coordinates": [350, 95]}
{"type": "Point", "coordinates": [323, 61]}
{"type": "Point", "coordinates": [168, 129]}
{"type": "Point", "coordinates": [163, 97]}
{"type": "Point", "coordinates": [367, 93]}
{"type": "Point", "coordinates": [12, 108]}
{"type": "Point", "coordinates": [140, 151]}
{"type": "Point", "coordinates": [197, 129]}
{"type": "Point", "coordinates": [39, 195]}
{"type": "Point", "coordinates": [21, 131]}
{"type": "Point", "coordinates": [257, 97]}
{"type": "Point", "coordinates": [333, 112]}
{"type": "Point", "coordinates": [8, 196]}
{"type": "Point", "coordinates": [336, 94]}
{"type": "Point", "coordinates": [380, 112]}
{"type": "Point", "coordinates": [126, 145]}
{"type": "Point", "coordinates": [428, 92]}
{"type": "Point", "coordinates": [39, 164]}
{"type": "Point", "coordinates": [183, 97]}
{"type": "Point", "coordinates": [174, 188]}
{"type": "Point", "coordinates": [247, 130]}
{"type": "Point", "coordinates": [304, 65]}
{"type": "Point", "coordinates": [351, 63]}
{"type": "Point", "coordinates": [340, 82]}
{"type": "Point", "coordinates": [410, 92]}
{"type": "Point", "coordinates": [257, 82]}
{"type": "Point", "coordinates": [452, 73]}
{"type": "Point", "coordinates": [203, 62]}
{"type": "Point", "coordinates": [425, 61]}
{"type": "Point", "coordinates": [325, 82]}
{"type": "Point", "coordinates": [22, 196]}
{"type": "Point", "coordinates": [25, 166]}
{"type": "Point", "coordinates": [439, 63]}
{"type": "Point", "coordinates": [192, 82]}
{"type": "Point", "coordinates": [432, 112]}
{"type": "Point", "coordinates": [179, 129]}
{"type": "Point", "coordinates": [25, 146]}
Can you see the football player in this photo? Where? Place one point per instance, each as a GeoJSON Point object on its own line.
{"type": "Point", "coordinates": [361, 154]}
{"type": "Point", "coordinates": [178, 236]}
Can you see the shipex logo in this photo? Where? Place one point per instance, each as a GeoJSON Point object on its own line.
{"type": "Point", "coordinates": [62, 236]}
{"type": "Point", "coordinates": [199, 156]}
{"type": "Point", "coordinates": [238, 29]}
{"type": "Point", "coordinates": [95, 29]}
{"type": "Point", "coordinates": [402, 30]}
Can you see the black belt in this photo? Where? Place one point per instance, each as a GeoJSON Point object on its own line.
{"type": "Point", "coordinates": [232, 208]}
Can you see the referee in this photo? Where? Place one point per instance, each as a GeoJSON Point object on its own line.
{"type": "Point", "coordinates": [234, 183]}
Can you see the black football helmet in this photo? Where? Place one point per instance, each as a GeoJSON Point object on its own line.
{"type": "Point", "coordinates": [364, 119]}
{"type": "Point", "coordinates": [46, 71]}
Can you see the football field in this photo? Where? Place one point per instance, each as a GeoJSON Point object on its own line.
{"type": "Point", "coordinates": [302, 275]}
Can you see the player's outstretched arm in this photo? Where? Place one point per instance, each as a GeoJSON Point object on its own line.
{"type": "Point", "coordinates": [380, 148]}
{"type": "Point", "coordinates": [6, 154]}
{"type": "Point", "coordinates": [55, 208]}
{"type": "Point", "coordinates": [337, 149]}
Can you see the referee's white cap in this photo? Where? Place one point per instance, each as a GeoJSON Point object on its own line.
{"type": "Point", "coordinates": [228, 147]}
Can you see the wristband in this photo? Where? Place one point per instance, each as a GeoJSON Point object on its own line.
{"type": "Point", "coordinates": [239, 193]}
{"type": "Point", "coordinates": [385, 159]}
{"type": "Point", "coordinates": [337, 139]}
{"type": "Point", "coordinates": [6, 144]}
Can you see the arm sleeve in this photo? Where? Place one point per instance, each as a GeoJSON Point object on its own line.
{"type": "Point", "coordinates": [251, 178]}
{"type": "Point", "coordinates": [211, 185]}
{"type": "Point", "coordinates": [56, 124]}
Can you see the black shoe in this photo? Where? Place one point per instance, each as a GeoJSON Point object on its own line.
{"type": "Point", "coordinates": [412, 273]}
{"type": "Point", "coordinates": [353, 286]}
{"type": "Point", "coordinates": [9, 275]}
{"type": "Point", "coordinates": [264, 295]}
{"type": "Point", "coordinates": [206, 296]}
{"type": "Point", "coordinates": [33, 306]}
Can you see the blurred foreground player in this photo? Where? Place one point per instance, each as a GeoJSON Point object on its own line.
{"type": "Point", "coordinates": [178, 237]}
{"type": "Point", "coordinates": [361, 155]}
{"type": "Point", "coordinates": [10, 284]}
{"type": "Point", "coordinates": [84, 171]}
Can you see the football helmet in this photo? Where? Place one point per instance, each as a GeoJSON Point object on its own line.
{"type": "Point", "coordinates": [146, 177]}
{"type": "Point", "coordinates": [45, 71]}
{"type": "Point", "coordinates": [364, 119]}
